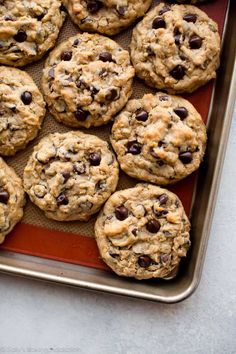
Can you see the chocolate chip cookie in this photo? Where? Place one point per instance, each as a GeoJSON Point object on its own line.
{"type": "Point", "coordinates": [176, 48]}
{"type": "Point", "coordinates": [143, 232]}
{"type": "Point", "coordinates": [28, 29]}
{"type": "Point", "coordinates": [159, 138]}
{"type": "Point", "coordinates": [12, 199]}
{"type": "Point", "coordinates": [22, 110]}
{"type": "Point", "coordinates": [106, 16]}
{"type": "Point", "coordinates": [69, 176]}
{"type": "Point", "coordinates": [87, 80]}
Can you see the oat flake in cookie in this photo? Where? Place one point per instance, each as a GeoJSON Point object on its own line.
{"type": "Point", "coordinates": [22, 110]}
{"type": "Point", "coordinates": [176, 48]}
{"type": "Point", "coordinates": [160, 138]}
{"type": "Point", "coordinates": [12, 199]}
{"type": "Point", "coordinates": [69, 176]}
{"type": "Point", "coordinates": [87, 80]}
{"type": "Point", "coordinates": [106, 16]}
{"type": "Point", "coordinates": [143, 232]}
{"type": "Point", "coordinates": [28, 29]}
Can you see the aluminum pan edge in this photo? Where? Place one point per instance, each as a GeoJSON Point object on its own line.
{"type": "Point", "coordinates": [185, 284]}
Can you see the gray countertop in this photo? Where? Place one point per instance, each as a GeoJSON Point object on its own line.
{"type": "Point", "coordinates": [43, 318]}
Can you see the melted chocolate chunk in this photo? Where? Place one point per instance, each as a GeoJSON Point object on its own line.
{"type": "Point", "coordinates": [135, 232]}
{"type": "Point", "coordinates": [4, 197]}
{"type": "Point", "coordinates": [93, 6]}
{"type": "Point", "coordinates": [166, 8]}
{"type": "Point", "coordinates": [178, 72]}
{"type": "Point", "coordinates": [163, 98]}
{"type": "Point", "coordinates": [76, 42]}
{"type": "Point", "coordinates": [177, 38]}
{"type": "Point", "coordinates": [20, 36]}
{"type": "Point", "coordinates": [121, 10]}
{"type": "Point", "coordinates": [26, 97]}
{"type": "Point", "coordinates": [95, 159]}
{"type": "Point", "coordinates": [158, 22]}
{"type": "Point", "coordinates": [195, 42]}
{"type": "Point", "coordinates": [190, 18]}
{"type": "Point", "coordinates": [66, 56]}
{"type": "Point", "coordinates": [66, 176]}
{"type": "Point", "coordinates": [112, 95]}
{"type": "Point", "coordinates": [185, 157]}
{"type": "Point", "coordinates": [62, 199]}
{"type": "Point", "coordinates": [163, 199]}
{"type": "Point", "coordinates": [159, 214]}
{"type": "Point", "coordinates": [105, 56]}
{"type": "Point", "coordinates": [153, 226]}
{"type": "Point", "coordinates": [8, 18]}
{"type": "Point", "coordinates": [113, 255]}
{"type": "Point", "coordinates": [81, 115]}
{"type": "Point", "coordinates": [134, 147]}
{"type": "Point", "coordinates": [144, 261]}
{"type": "Point", "coordinates": [141, 115]}
{"type": "Point", "coordinates": [182, 112]}
{"type": "Point", "coordinates": [121, 213]}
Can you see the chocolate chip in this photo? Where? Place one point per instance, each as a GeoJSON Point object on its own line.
{"type": "Point", "coordinates": [79, 168]}
{"type": "Point", "coordinates": [66, 56]}
{"type": "Point", "coordinates": [150, 51]}
{"type": "Point", "coordinates": [159, 214]}
{"type": "Point", "coordinates": [62, 8]}
{"type": "Point", "coordinates": [163, 199]}
{"type": "Point", "coordinates": [121, 213]}
{"type": "Point", "coordinates": [166, 8]}
{"type": "Point", "coordinates": [182, 112]}
{"type": "Point", "coordinates": [93, 6]}
{"type": "Point", "coordinates": [81, 115]}
{"type": "Point", "coordinates": [135, 232]}
{"type": "Point", "coordinates": [112, 95]}
{"type": "Point", "coordinates": [121, 10]}
{"type": "Point", "coordinates": [163, 98]}
{"type": "Point", "coordinates": [51, 73]}
{"type": "Point", "coordinates": [158, 22]}
{"type": "Point", "coordinates": [26, 97]}
{"type": "Point", "coordinates": [65, 175]}
{"type": "Point", "coordinates": [177, 38]}
{"type": "Point", "coordinates": [153, 226]}
{"type": "Point", "coordinates": [76, 42]}
{"type": "Point", "coordinates": [185, 157]}
{"type": "Point", "coordinates": [141, 115]}
{"type": "Point", "coordinates": [144, 261]}
{"type": "Point", "coordinates": [178, 72]}
{"type": "Point", "coordinates": [190, 18]}
{"type": "Point", "coordinates": [4, 197]}
{"type": "Point", "coordinates": [113, 255]}
{"type": "Point", "coordinates": [40, 17]}
{"type": "Point", "coordinates": [62, 199]}
{"type": "Point", "coordinates": [20, 36]}
{"type": "Point", "coordinates": [134, 147]}
{"type": "Point", "coordinates": [8, 18]}
{"type": "Point", "coordinates": [95, 159]}
{"type": "Point", "coordinates": [105, 56]}
{"type": "Point", "coordinates": [195, 42]}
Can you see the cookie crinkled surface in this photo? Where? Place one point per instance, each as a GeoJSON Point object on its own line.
{"type": "Point", "coordinates": [106, 16]}
{"type": "Point", "coordinates": [176, 48]}
{"type": "Point", "coordinates": [143, 232]}
{"type": "Point", "coordinates": [12, 199]}
{"type": "Point", "coordinates": [159, 138]}
{"type": "Point", "coordinates": [86, 80]}
{"type": "Point", "coordinates": [28, 29]}
{"type": "Point", "coordinates": [69, 176]}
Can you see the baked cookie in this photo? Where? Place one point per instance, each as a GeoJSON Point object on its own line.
{"type": "Point", "coordinates": [159, 138]}
{"type": "Point", "coordinates": [143, 232]}
{"type": "Point", "coordinates": [22, 110]}
{"type": "Point", "coordinates": [28, 29]}
{"type": "Point", "coordinates": [87, 80]}
{"type": "Point", "coordinates": [69, 176]}
{"type": "Point", "coordinates": [176, 48]}
{"type": "Point", "coordinates": [12, 199]}
{"type": "Point", "coordinates": [106, 16]}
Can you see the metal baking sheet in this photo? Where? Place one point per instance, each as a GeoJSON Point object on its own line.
{"type": "Point", "coordinates": [96, 276]}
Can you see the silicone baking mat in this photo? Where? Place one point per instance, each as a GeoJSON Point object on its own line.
{"type": "Point", "coordinates": [74, 242]}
